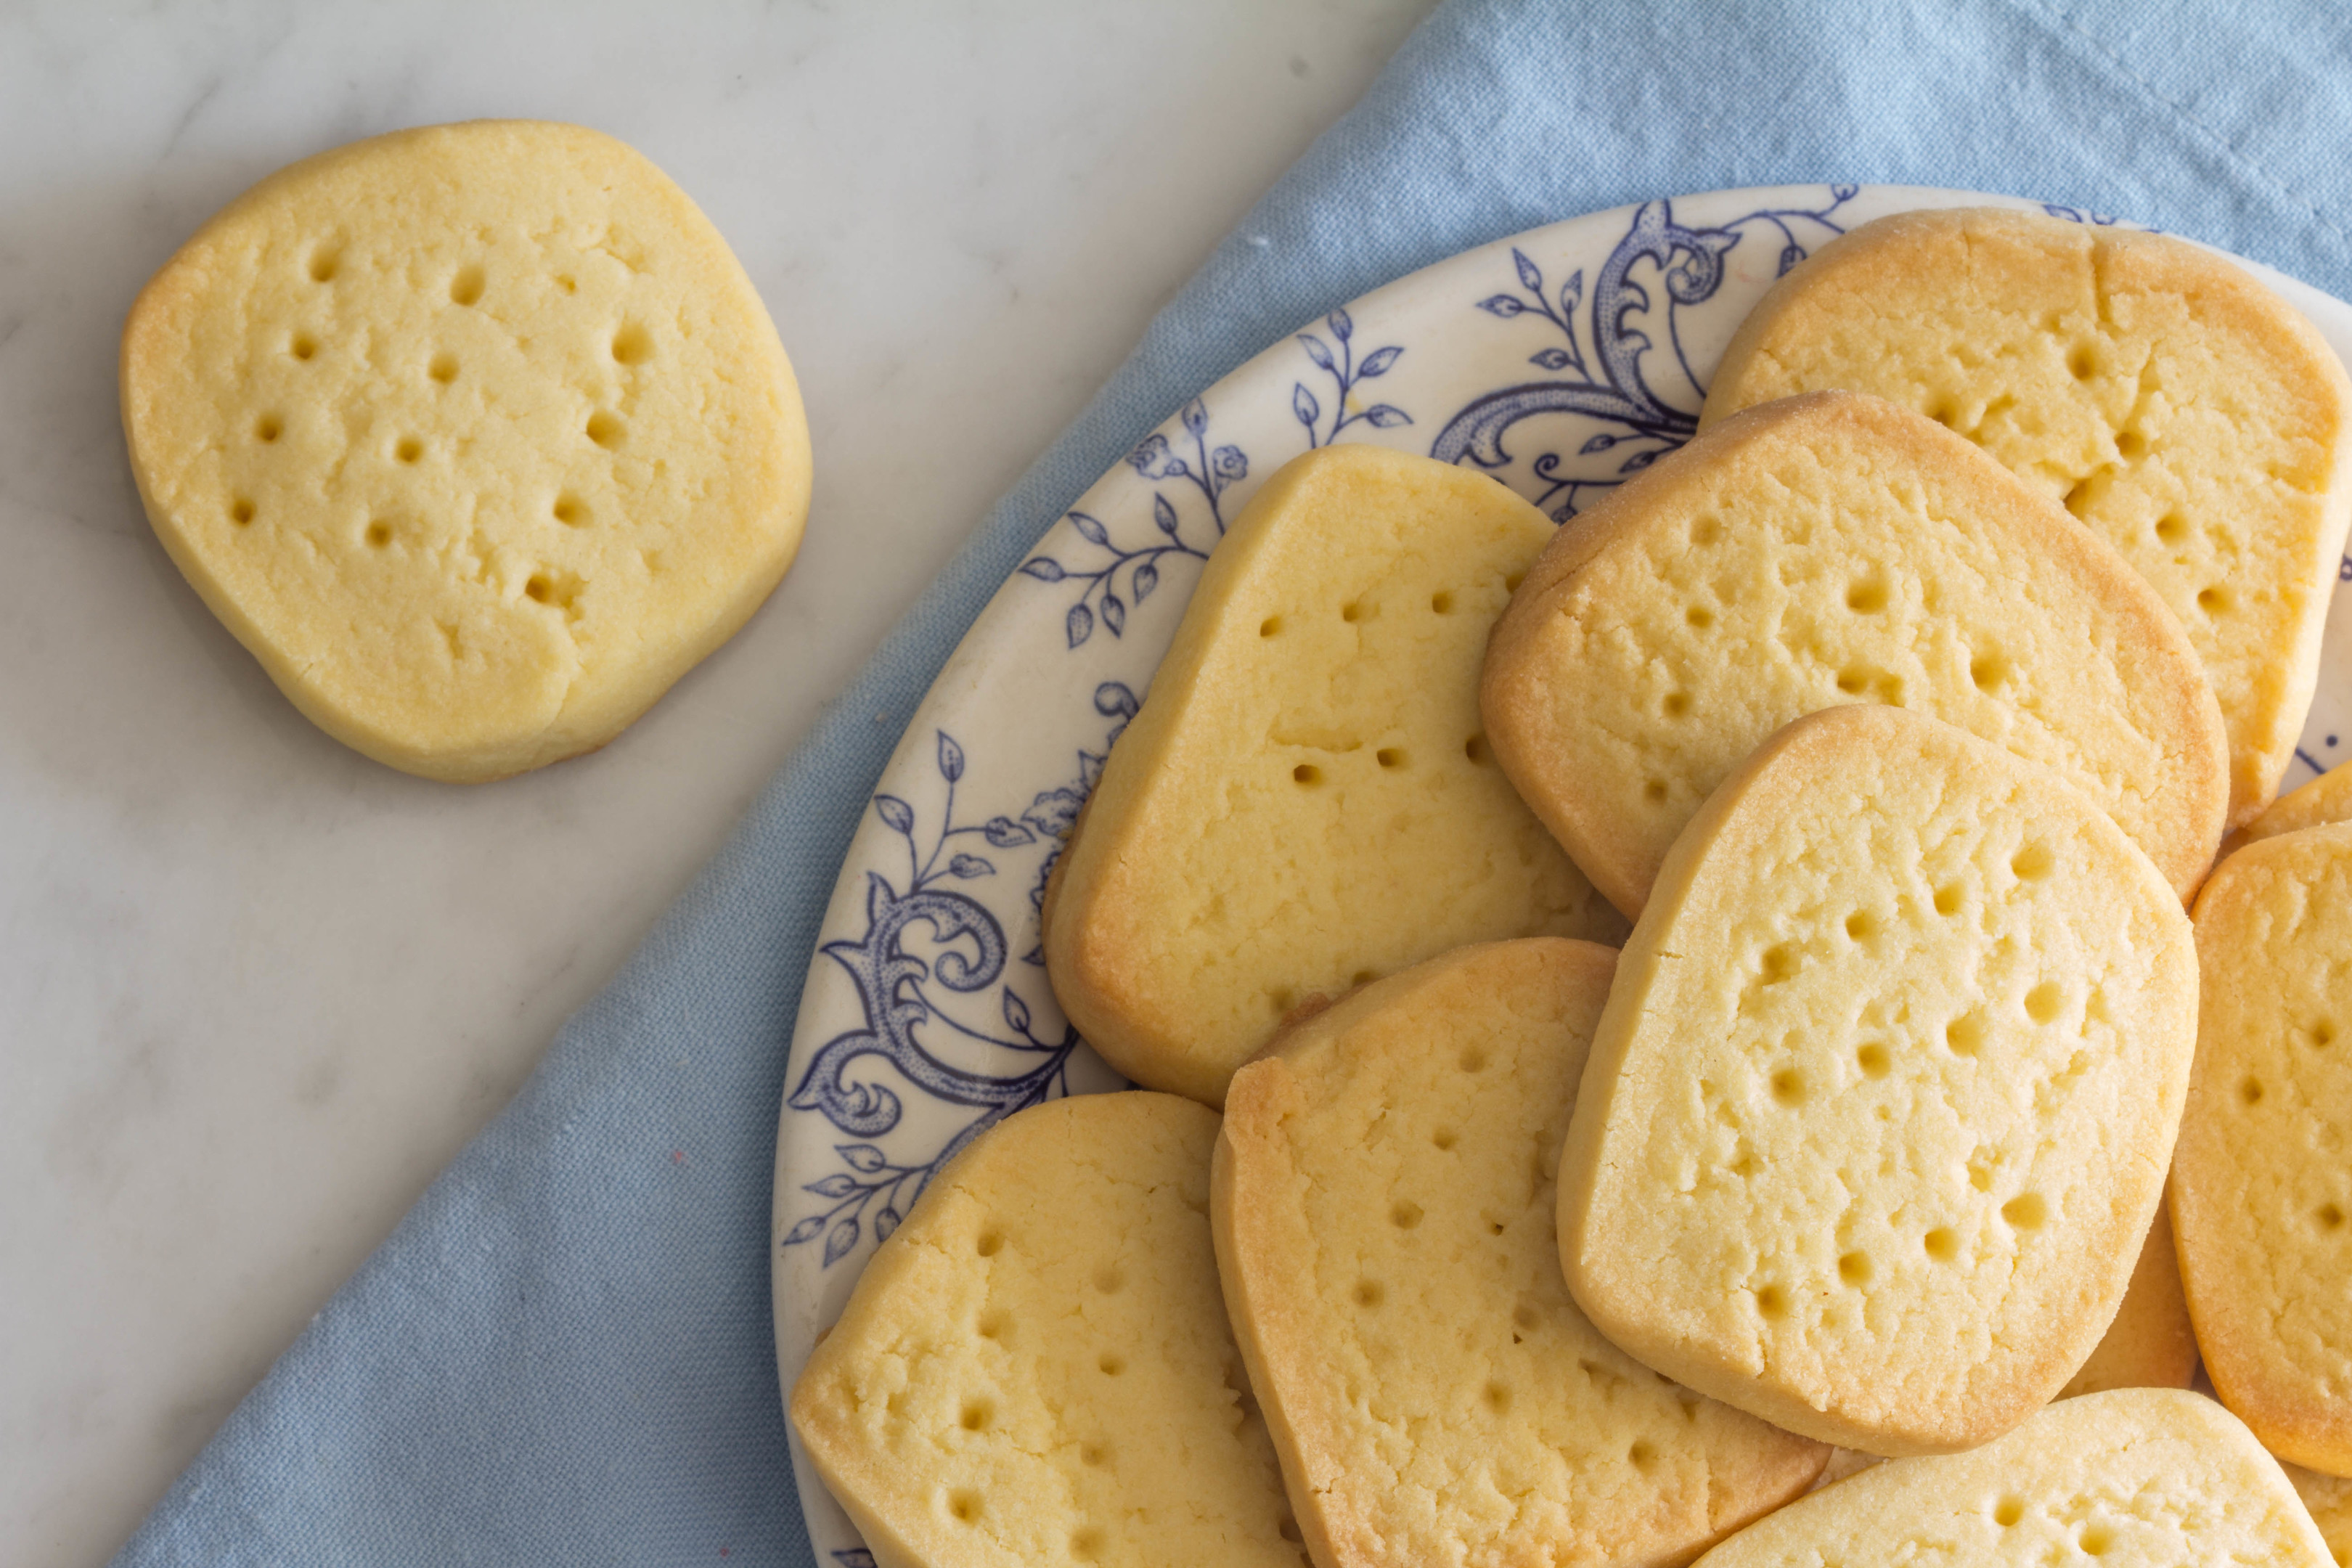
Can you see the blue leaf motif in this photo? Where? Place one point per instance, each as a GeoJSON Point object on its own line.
{"type": "Point", "coordinates": [950, 759]}
{"type": "Point", "coordinates": [804, 1231]}
{"type": "Point", "coordinates": [1164, 515]}
{"type": "Point", "coordinates": [1196, 417]}
{"type": "Point", "coordinates": [1150, 451]}
{"type": "Point", "coordinates": [1091, 529]}
{"type": "Point", "coordinates": [1177, 469]}
{"type": "Point", "coordinates": [1844, 192]}
{"type": "Point", "coordinates": [1789, 255]}
{"type": "Point", "coordinates": [863, 1158]}
{"type": "Point", "coordinates": [1078, 624]}
{"type": "Point", "coordinates": [1016, 1012]}
{"type": "Point", "coordinates": [838, 1245]}
{"type": "Point", "coordinates": [1044, 568]}
{"type": "Point", "coordinates": [1114, 614]}
{"type": "Point", "coordinates": [1528, 273]}
{"type": "Point", "coordinates": [1303, 404]}
{"type": "Point", "coordinates": [1505, 305]}
{"type": "Point", "coordinates": [1571, 293]}
{"type": "Point", "coordinates": [1317, 352]}
{"type": "Point", "coordinates": [1640, 461]}
{"type": "Point", "coordinates": [1007, 834]}
{"type": "Point", "coordinates": [1147, 577]}
{"type": "Point", "coordinates": [1378, 361]}
{"type": "Point", "coordinates": [1551, 359]}
{"type": "Point", "coordinates": [1342, 327]}
{"type": "Point", "coordinates": [896, 812]}
{"type": "Point", "coordinates": [1112, 698]}
{"type": "Point", "coordinates": [1598, 443]}
{"type": "Point", "coordinates": [834, 1186]}
{"type": "Point", "coordinates": [969, 866]}
{"type": "Point", "coordinates": [884, 1224]}
{"type": "Point", "coordinates": [1054, 810]}
{"type": "Point", "coordinates": [1385, 416]}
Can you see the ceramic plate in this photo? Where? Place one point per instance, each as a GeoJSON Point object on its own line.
{"type": "Point", "coordinates": [1561, 360]}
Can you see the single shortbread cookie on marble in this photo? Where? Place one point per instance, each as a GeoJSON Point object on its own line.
{"type": "Point", "coordinates": [2261, 1191]}
{"type": "Point", "coordinates": [2151, 1344]}
{"type": "Point", "coordinates": [477, 437]}
{"type": "Point", "coordinates": [1036, 1370]}
{"type": "Point", "coordinates": [2329, 1499]}
{"type": "Point", "coordinates": [2141, 1477]}
{"type": "Point", "coordinates": [2325, 799]}
{"type": "Point", "coordinates": [2187, 415]}
{"type": "Point", "coordinates": [1834, 550]}
{"type": "Point", "coordinates": [1879, 1109]}
{"type": "Point", "coordinates": [1307, 799]}
{"type": "Point", "coordinates": [1383, 1207]}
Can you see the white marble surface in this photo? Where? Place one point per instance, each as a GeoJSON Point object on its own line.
{"type": "Point", "coordinates": [255, 990]}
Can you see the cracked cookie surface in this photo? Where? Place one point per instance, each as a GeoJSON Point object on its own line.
{"type": "Point", "coordinates": [475, 436]}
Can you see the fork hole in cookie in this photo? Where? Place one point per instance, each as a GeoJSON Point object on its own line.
{"type": "Point", "coordinates": [1654, 792]}
{"type": "Point", "coordinates": [240, 512]}
{"type": "Point", "coordinates": [2214, 600]}
{"type": "Point", "coordinates": [977, 1415]}
{"type": "Point", "coordinates": [1773, 1301]}
{"type": "Point", "coordinates": [2032, 863]}
{"type": "Point", "coordinates": [1778, 964]}
{"type": "Point", "coordinates": [538, 590]}
{"type": "Point", "coordinates": [1086, 1544]}
{"type": "Point", "coordinates": [1854, 1267]}
{"type": "Point", "coordinates": [1110, 1366]}
{"type": "Point", "coordinates": [1989, 670]}
{"type": "Point", "coordinates": [570, 510]}
{"type": "Point", "coordinates": [1948, 898]}
{"type": "Point", "coordinates": [1442, 602]}
{"type": "Point", "coordinates": [2131, 444]}
{"type": "Point", "coordinates": [1676, 704]}
{"type": "Point", "coordinates": [2008, 1511]}
{"type": "Point", "coordinates": [1288, 1527]}
{"type": "Point", "coordinates": [1874, 1060]}
{"type": "Point", "coordinates": [1965, 1035]}
{"type": "Point", "coordinates": [1789, 1087]}
{"type": "Point", "coordinates": [443, 367]}
{"type": "Point", "coordinates": [1444, 1138]}
{"type": "Point", "coordinates": [1699, 616]}
{"type": "Point", "coordinates": [1497, 1397]}
{"type": "Point", "coordinates": [1942, 1244]}
{"type": "Point", "coordinates": [1511, 581]}
{"type": "Point", "coordinates": [1524, 1315]}
{"type": "Point", "coordinates": [1351, 611]}
{"type": "Point", "coordinates": [2078, 500]}
{"type": "Point", "coordinates": [605, 429]}
{"type": "Point", "coordinates": [1405, 1215]}
{"type": "Point", "coordinates": [466, 287]}
{"type": "Point", "coordinates": [379, 534]}
{"type": "Point", "coordinates": [2323, 1034]}
{"type": "Point", "coordinates": [632, 344]}
{"type": "Point", "coordinates": [2330, 1216]}
{"type": "Point", "coordinates": [1306, 774]}
{"type": "Point", "coordinates": [1369, 1293]}
{"type": "Point", "coordinates": [324, 262]}
{"type": "Point", "coordinates": [304, 346]}
{"type": "Point", "coordinates": [2044, 1001]}
{"type": "Point", "coordinates": [1093, 1455]}
{"type": "Point", "coordinates": [990, 1244]}
{"type": "Point", "coordinates": [1645, 1457]}
{"type": "Point", "coordinates": [2027, 1211]}
{"type": "Point", "coordinates": [1475, 748]}
{"type": "Point", "coordinates": [1705, 531]}
{"type": "Point", "coordinates": [964, 1505]}
{"type": "Point", "coordinates": [1109, 1280]}
{"type": "Point", "coordinates": [2094, 1540]}
{"type": "Point", "coordinates": [409, 450]}
{"type": "Point", "coordinates": [268, 427]}
{"type": "Point", "coordinates": [1473, 1060]}
{"type": "Point", "coordinates": [2251, 1092]}
{"type": "Point", "coordinates": [1389, 757]}
{"type": "Point", "coordinates": [1861, 925]}
{"type": "Point", "coordinates": [2083, 362]}
{"type": "Point", "coordinates": [993, 1325]}
{"type": "Point", "coordinates": [1867, 597]}
{"type": "Point", "coordinates": [1269, 627]}
{"type": "Point", "coordinates": [2172, 528]}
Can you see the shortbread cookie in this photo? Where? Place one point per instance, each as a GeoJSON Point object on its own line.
{"type": "Point", "coordinates": [2151, 1344]}
{"type": "Point", "coordinates": [1879, 1109]}
{"type": "Point", "coordinates": [477, 437]}
{"type": "Point", "coordinates": [1826, 550]}
{"type": "Point", "coordinates": [2186, 414]}
{"type": "Point", "coordinates": [2327, 798]}
{"type": "Point", "coordinates": [2142, 1476]}
{"type": "Point", "coordinates": [1035, 1368]}
{"type": "Point", "coordinates": [1307, 799]}
{"type": "Point", "coordinates": [2261, 1196]}
{"type": "Point", "coordinates": [1383, 1209]}
{"type": "Point", "coordinates": [2329, 1499]}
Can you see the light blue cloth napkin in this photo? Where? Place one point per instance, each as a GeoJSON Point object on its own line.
{"type": "Point", "coordinates": [562, 1354]}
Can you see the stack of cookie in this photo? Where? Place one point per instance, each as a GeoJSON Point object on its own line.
{"type": "Point", "coordinates": [1902, 715]}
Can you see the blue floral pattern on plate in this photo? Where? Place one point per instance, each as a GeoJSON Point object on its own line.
{"type": "Point", "coordinates": [927, 1018]}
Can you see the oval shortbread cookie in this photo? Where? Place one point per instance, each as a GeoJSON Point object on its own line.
{"type": "Point", "coordinates": [2137, 1476]}
{"type": "Point", "coordinates": [1036, 1368]}
{"type": "Point", "coordinates": [1307, 799]}
{"type": "Point", "coordinates": [1879, 1109]}
{"type": "Point", "coordinates": [2325, 799]}
{"type": "Point", "coordinates": [477, 437]}
{"type": "Point", "coordinates": [2186, 414]}
{"type": "Point", "coordinates": [1826, 550]}
{"type": "Point", "coordinates": [2262, 1193]}
{"type": "Point", "coordinates": [1383, 1209]}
